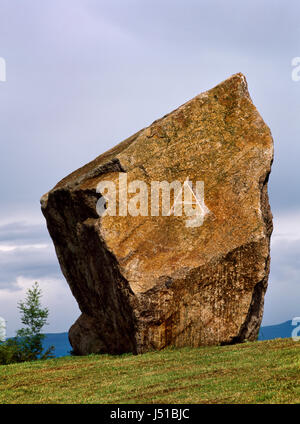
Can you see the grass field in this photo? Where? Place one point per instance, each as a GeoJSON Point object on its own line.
{"type": "Point", "coordinates": [257, 372]}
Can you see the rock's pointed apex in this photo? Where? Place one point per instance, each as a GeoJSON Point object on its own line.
{"type": "Point", "coordinates": [147, 277]}
{"type": "Point", "coordinates": [238, 78]}
{"type": "Point", "coordinates": [236, 83]}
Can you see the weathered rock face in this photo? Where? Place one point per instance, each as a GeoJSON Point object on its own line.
{"type": "Point", "coordinates": [145, 282]}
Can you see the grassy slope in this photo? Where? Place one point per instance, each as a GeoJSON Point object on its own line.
{"type": "Point", "coordinates": [258, 372]}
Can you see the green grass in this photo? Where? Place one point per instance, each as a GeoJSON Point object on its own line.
{"type": "Point", "coordinates": [258, 372]}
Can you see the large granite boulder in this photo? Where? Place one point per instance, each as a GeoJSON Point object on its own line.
{"type": "Point", "coordinates": [145, 282]}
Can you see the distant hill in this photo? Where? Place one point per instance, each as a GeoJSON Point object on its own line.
{"type": "Point", "coordinates": [60, 341]}
{"type": "Point", "coordinates": [63, 347]}
{"type": "Point", "coordinates": [279, 331]}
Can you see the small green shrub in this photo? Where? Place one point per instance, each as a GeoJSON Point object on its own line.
{"type": "Point", "coordinates": [28, 343]}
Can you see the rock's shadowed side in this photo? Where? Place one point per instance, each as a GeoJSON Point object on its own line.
{"type": "Point", "coordinates": [147, 282]}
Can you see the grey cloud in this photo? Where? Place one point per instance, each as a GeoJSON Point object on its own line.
{"type": "Point", "coordinates": [18, 233]}
{"type": "Point", "coordinates": [32, 256]}
{"type": "Point", "coordinates": [282, 301]}
{"type": "Point", "coordinates": [29, 262]}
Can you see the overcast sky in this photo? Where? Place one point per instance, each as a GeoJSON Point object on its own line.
{"type": "Point", "coordinates": [82, 75]}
